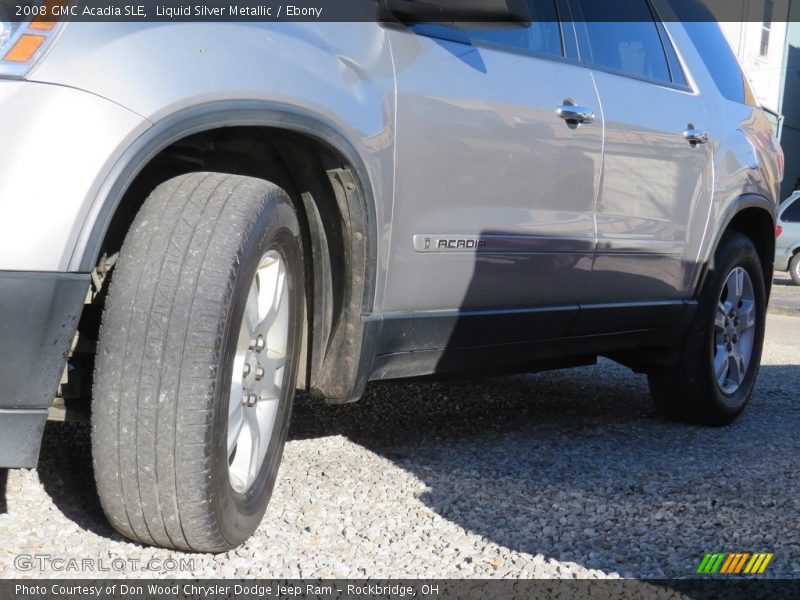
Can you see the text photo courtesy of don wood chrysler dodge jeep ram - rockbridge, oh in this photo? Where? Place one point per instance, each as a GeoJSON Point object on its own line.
{"type": "Point", "coordinates": [225, 219]}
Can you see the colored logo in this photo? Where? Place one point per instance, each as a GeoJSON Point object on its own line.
{"type": "Point", "coordinates": [735, 563]}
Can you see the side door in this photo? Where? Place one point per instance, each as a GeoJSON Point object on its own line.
{"type": "Point", "coordinates": [657, 182]}
{"type": "Point", "coordinates": [495, 192]}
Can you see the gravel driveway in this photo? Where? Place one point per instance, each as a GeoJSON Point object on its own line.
{"type": "Point", "coordinates": [553, 475]}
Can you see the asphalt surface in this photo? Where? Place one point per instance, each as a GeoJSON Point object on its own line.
{"type": "Point", "coordinates": [562, 474]}
{"type": "Point", "coordinates": [785, 295]}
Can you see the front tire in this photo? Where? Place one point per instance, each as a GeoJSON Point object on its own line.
{"type": "Point", "coordinates": [721, 355]}
{"type": "Point", "coordinates": [197, 362]}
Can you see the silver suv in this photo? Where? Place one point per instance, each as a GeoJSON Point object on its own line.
{"type": "Point", "coordinates": [196, 220]}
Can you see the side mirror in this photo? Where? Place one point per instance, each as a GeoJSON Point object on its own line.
{"type": "Point", "coordinates": [458, 11]}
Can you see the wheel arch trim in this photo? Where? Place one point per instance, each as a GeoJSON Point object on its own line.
{"type": "Point", "coordinates": [734, 208]}
{"type": "Point", "coordinates": [208, 117]}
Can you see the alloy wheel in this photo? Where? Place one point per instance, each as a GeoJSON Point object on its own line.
{"type": "Point", "coordinates": [734, 331]}
{"type": "Point", "coordinates": [258, 372]}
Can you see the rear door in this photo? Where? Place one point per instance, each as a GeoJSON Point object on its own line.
{"type": "Point", "coordinates": [657, 171]}
{"type": "Point", "coordinates": [495, 193]}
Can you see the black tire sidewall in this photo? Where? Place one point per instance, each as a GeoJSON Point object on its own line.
{"type": "Point", "coordinates": [238, 515]}
{"type": "Point", "coordinates": [735, 251]}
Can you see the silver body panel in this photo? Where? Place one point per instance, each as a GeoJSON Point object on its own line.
{"type": "Point", "coordinates": [52, 168]}
{"type": "Point", "coordinates": [449, 149]}
{"type": "Point", "coordinates": [490, 158]}
{"type": "Point", "coordinates": [655, 185]}
{"type": "Point", "coordinates": [338, 74]}
{"type": "Point", "coordinates": [521, 209]}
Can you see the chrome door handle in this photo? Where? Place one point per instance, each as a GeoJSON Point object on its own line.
{"type": "Point", "coordinates": [575, 114]}
{"type": "Point", "coordinates": [695, 136]}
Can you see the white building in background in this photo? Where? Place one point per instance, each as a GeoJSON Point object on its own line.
{"type": "Point", "coordinates": [767, 43]}
{"type": "Point", "coordinates": [761, 48]}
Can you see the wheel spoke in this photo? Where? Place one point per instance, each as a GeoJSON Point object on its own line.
{"type": "Point", "coordinates": [740, 274]}
{"type": "Point", "coordinates": [276, 361]}
{"type": "Point", "coordinates": [734, 372]}
{"type": "Point", "coordinates": [747, 315]}
{"type": "Point", "coordinates": [271, 295]}
{"type": "Point", "coordinates": [280, 285]}
{"type": "Point", "coordinates": [735, 284]}
{"type": "Point", "coordinates": [236, 482]}
{"type": "Point", "coordinates": [255, 437]}
{"type": "Point", "coordinates": [721, 366]}
{"type": "Point", "coordinates": [235, 425]}
{"type": "Point", "coordinates": [741, 369]}
{"type": "Point", "coordinates": [251, 312]}
{"type": "Point", "coordinates": [719, 318]}
{"type": "Point", "coordinates": [278, 380]}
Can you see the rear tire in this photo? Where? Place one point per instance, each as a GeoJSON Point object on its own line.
{"type": "Point", "coordinates": [170, 377]}
{"type": "Point", "coordinates": [794, 268]}
{"type": "Point", "coordinates": [721, 355]}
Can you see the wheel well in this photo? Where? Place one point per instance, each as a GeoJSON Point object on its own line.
{"type": "Point", "coordinates": [317, 178]}
{"type": "Point", "coordinates": [758, 225]}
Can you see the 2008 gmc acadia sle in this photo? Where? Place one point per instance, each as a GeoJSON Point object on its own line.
{"type": "Point", "coordinates": [196, 220]}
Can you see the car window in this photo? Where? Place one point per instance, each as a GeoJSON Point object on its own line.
{"type": "Point", "coordinates": [720, 60]}
{"type": "Point", "coordinates": [541, 36]}
{"type": "Point", "coordinates": [623, 36]}
{"type": "Point", "coordinates": [706, 35]}
{"type": "Point", "coordinates": [792, 213]}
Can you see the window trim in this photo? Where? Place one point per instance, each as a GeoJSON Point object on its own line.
{"type": "Point", "coordinates": [461, 36]}
{"type": "Point", "coordinates": [479, 43]}
{"type": "Point", "coordinates": [569, 40]}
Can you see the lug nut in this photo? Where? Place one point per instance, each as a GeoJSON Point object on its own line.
{"type": "Point", "coordinates": [246, 369]}
{"type": "Point", "coordinates": [259, 344]}
{"type": "Point", "coordinates": [250, 400]}
{"type": "Point", "coordinates": [259, 373]}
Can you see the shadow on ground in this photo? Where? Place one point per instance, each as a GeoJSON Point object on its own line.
{"type": "Point", "coordinates": [65, 471]}
{"type": "Point", "coordinates": [785, 282]}
{"type": "Point", "coordinates": [577, 466]}
{"type": "Point", "coordinates": [573, 465]}
{"type": "Point", "coordinates": [3, 480]}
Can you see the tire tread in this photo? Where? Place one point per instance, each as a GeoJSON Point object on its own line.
{"type": "Point", "coordinates": [161, 338]}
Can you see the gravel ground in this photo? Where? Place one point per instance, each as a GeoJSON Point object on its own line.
{"type": "Point", "coordinates": [564, 474]}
